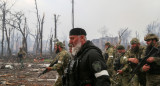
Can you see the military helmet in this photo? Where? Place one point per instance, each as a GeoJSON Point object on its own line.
{"type": "Point", "coordinates": [60, 44]}
{"type": "Point", "coordinates": [107, 43]}
{"type": "Point", "coordinates": [120, 47]}
{"type": "Point", "coordinates": [134, 41]}
{"type": "Point", "coordinates": [151, 36]}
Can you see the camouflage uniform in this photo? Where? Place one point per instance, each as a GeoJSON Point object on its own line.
{"type": "Point", "coordinates": [125, 76]}
{"type": "Point", "coordinates": [21, 56]}
{"type": "Point", "coordinates": [120, 64]}
{"type": "Point", "coordinates": [139, 78]}
{"type": "Point", "coordinates": [110, 53]}
{"type": "Point", "coordinates": [153, 74]}
{"type": "Point", "coordinates": [63, 59]}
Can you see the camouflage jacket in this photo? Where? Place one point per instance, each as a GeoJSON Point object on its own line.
{"type": "Point", "coordinates": [126, 68]}
{"type": "Point", "coordinates": [63, 59]}
{"type": "Point", "coordinates": [139, 55]}
{"type": "Point", "coordinates": [21, 54]}
{"type": "Point", "coordinates": [110, 60]}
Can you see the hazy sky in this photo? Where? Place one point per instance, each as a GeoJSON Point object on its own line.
{"type": "Point", "coordinates": [93, 15]}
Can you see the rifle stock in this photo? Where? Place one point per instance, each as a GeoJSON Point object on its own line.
{"type": "Point", "coordinates": [142, 62]}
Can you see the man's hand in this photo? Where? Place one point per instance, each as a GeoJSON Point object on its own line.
{"type": "Point", "coordinates": [49, 69]}
{"type": "Point", "coordinates": [146, 67]}
{"type": "Point", "coordinates": [150, 59]}
{"type": "Point", "coordinates": [133, 60]}
{"type": "Point", "coordinates": [119, 71]}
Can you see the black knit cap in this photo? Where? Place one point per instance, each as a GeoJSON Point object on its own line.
{"type": "Point", "coordinates": [77, 31]}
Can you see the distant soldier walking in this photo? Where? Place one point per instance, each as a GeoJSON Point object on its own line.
{"type": "Point", "coordinates": [21, 56]}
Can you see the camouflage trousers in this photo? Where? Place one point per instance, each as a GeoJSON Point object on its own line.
{"type": "Point", "coordinates": [153, 80]}
{"type": "Point", "coordinates": [58, 81]}
{"type": "Point", "coordinates": [125, 79]}
{"type": "Point", "coordinates": [135, 80]}
{"type": "Point", "coordinates": [139, 80]}
{"type": "Point", "coordinates": [20, 60]}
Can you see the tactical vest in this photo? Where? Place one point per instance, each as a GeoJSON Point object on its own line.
{"type": "Point", "coordinates": [117, 64]}
{"type": "Point", "coordinates": [77, 77]}
{"type": "Point", "coordinates": [154, 68]}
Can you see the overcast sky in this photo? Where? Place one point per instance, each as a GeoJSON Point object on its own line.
{"type": "Point", "coordinates": [93, 15]}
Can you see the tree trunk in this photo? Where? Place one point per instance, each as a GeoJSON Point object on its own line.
{"type": "Point", "coordinates": [8, 42]}
{"type": "Point", "coordinates": [3, 27]}
{"type": "Point", "coordinates": [41, 34]}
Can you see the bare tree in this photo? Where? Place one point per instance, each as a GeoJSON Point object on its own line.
{"type": "Point", "coordinates": [120, 34]}
{"type": "Point", "coordinates": [39, 37]}
{"type": "Point", "coordinates": [50, 42]}
{"type": "Point", "coordinates": [20, 23]}
{"type": "Point", "coordinates": [124, 35]}
{"type": "Point", "coordinates": [55, 28]}
{"type": "Point", "coordinates": [55, 21]}
{"type": "Point", "coordinates": [41, 33]}
{"type": "Point", "coordinates": [154, 27]}
{"type": "Point", "coordinates": [3, 26]}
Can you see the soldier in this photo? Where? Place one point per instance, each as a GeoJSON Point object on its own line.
{"type": "Point", "coordinates": [62, 59]}
{"type": "Point", "coordinates": [108, 51]}
{"type": "Point", "coordinates": [134, 55]}
{"type": "Point", "coordinates": [21, 56]}
{"type": "Point", "coordinates": [87, 68]}
{"type": "Point", "coordinates": [109, 57]}
{"type": "Point", "coordinates": [123, 71]}
{"type": "Point", "coordinates": [153, 67]}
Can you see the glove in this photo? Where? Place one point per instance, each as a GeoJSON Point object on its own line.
{"type": "Point", "coordinates": [150, 59]}
{"type": "Point", "coordinates": [119, 71]}
{"type": "Point", "coordinates": [49, 69]}
{"type": "Point", "coordinates": [146, 67]}
{"type": "Point", "coordinates": [133, 60]}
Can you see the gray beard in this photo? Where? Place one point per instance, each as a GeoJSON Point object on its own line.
{"type": "Point", "coordinates": [76, 49]}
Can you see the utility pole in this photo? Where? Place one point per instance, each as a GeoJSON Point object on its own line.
{"type": "Point", "coordinates": [72, 13]}
{"type": "Point", "coordinates": [55, 21]}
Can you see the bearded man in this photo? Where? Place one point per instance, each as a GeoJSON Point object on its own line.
{"type": "Point", "coordinates": [61, 61]}
{"type": "Point", "coordinates": [87, 68]}
{"type": "Point", "coordinates": [134, 55]}
{"type": "Point", "coordinates": [152, 68]}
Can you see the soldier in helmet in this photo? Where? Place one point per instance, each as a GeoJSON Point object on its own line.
{"type": "Point", "coordinates": [152, 68]}
{"type": "Point", "coordinates": [62, 59]}
{"type": "Point", "coordinates": [134, 55]}
{"type": "Point", "coordinates": [121, 67]}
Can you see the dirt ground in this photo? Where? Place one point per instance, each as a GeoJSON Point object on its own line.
{"type": "Point", "coordinates": [11, 74]}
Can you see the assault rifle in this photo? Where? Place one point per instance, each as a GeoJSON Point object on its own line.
{"type": "Point", "coordinates": [45, 71]}
{"type": "Point", "coordinates": [143, 62]}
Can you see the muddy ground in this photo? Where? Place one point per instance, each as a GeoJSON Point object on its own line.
{"type": "Point", "coordinates": [11, 73]}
